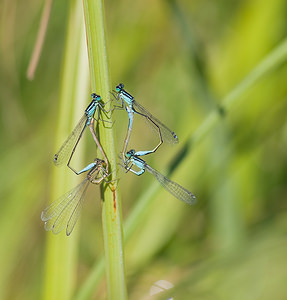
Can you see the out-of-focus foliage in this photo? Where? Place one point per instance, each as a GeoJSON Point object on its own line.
{"type": "Point", "coordinates": [179, 59]}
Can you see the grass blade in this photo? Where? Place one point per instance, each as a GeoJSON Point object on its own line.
{"type": "Point", "coordinates": [111, 211]}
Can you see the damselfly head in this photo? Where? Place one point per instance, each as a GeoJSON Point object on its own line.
{"type": "Point", "coordinates": [99, 161]}
{"type": "Point", "coordinates": [130, 153]}
{"type": "Point", "coordinates": [119, 87]}
{"type": "Point", "coordinates": [96, 97]}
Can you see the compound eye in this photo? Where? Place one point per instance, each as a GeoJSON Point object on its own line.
{"type": "Point", "coordinates": [131, 152]}
{"type": "Point", "coordinates": [119, 87]}
{"type": "Point", "coordinates": [96, 97]}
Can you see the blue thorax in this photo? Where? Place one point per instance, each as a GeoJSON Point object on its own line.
{"type": "Point", "coordinates": [90, 110]}
{"type": "Point", "coordinates": [124, 95]}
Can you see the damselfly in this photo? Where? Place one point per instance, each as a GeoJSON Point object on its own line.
{"type": "Point", "coordinates": [132, 107]}
{"type": "Point", "coordinates": [68, 148]}
{"type": "Point", "coordinates": [133, 159]}
{"type": "Point", "coordinates": [65, 211]}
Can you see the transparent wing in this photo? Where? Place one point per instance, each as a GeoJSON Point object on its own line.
{"type": "Point", "coordinates": [63, 155]}
{"type": "Point", "coordinates": [174, 188]}
{"type": "Point", "coordinates": [167, 134]}
{"type": "Point", "coordinates": [58, 214]}
{"type": "Point", "coordinates": [75, 215]}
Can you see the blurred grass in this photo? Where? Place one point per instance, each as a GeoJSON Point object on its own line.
{"type": "Point", "coordinates": [61, 252]}
{"type": "Point", "coordinates": [238, 172]}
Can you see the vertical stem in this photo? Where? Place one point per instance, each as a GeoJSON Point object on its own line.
{"type": "Point", "coordinates": [111, 211]}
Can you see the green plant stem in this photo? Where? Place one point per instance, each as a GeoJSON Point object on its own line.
{"type": "Point", "coordinates": [273, 60]}
{"type": "Point", "coordinates": [111, 210]}
{"type": "Point", "coordinates": [61, 251]}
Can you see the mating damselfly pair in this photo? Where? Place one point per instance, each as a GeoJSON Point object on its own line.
{"type": "Point", "coordinates": [65, 211]}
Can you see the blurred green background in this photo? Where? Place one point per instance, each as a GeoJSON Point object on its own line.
{"type": "Point", "coordinates": [179, 59]}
